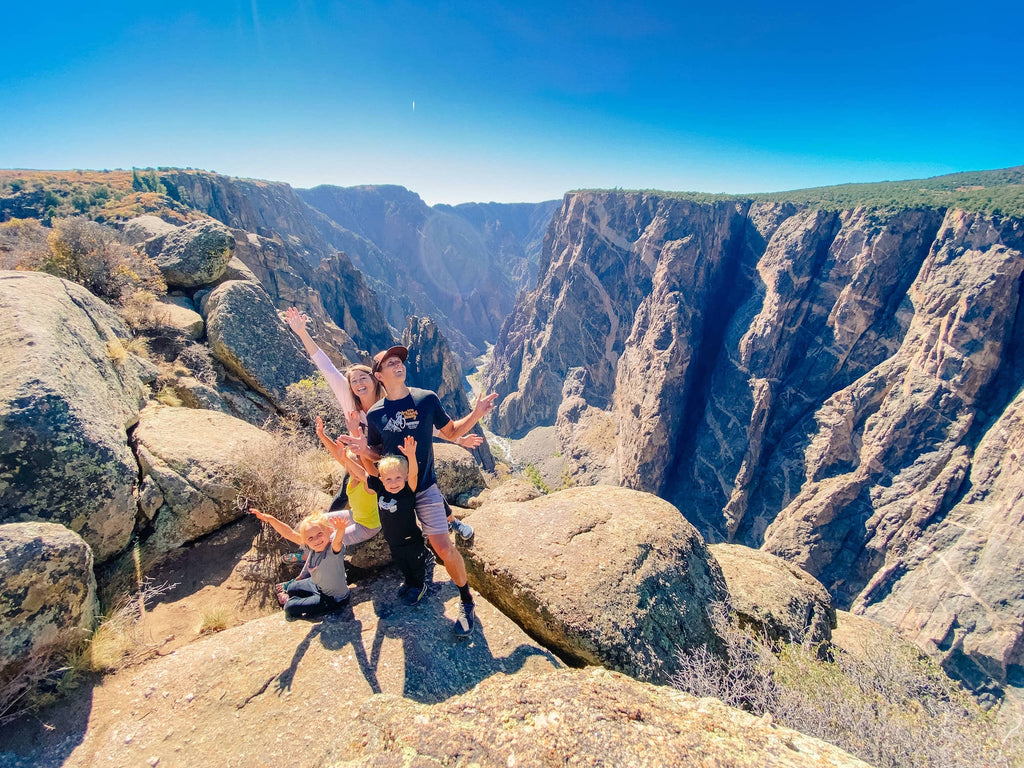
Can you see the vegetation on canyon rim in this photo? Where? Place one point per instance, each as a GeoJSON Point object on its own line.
{"type": "Point", "coordinates": [999, 192]}
{"type": "Point", "coordinates": [890, 706]}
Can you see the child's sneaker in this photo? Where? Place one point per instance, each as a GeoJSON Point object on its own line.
{"type": "Point", "coordinates": [462, 529]}
{"type": "Point", "coordinates": [292, 558]}
{"type": "Point", "coordinates": [467, 618]}
{"type": "Point", "coordinates": [403, 591]}
{"type": "Point", "coordinates": [414, 594]}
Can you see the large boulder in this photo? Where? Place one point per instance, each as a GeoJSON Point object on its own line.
{"type": "Point", "coordinates": [775, 597]}
{"type": "Point", "coordinates": [514, 489]}
{"type": "Point", "coordinates": [193, 255]}
{"type": "Point", "coordinates": [458, 475]}
{"type": "Point", "coordinates": [49, 590]}
{"type": "Point", "coordinates": [191, 457]}
{"type": "Point", "coordinates": [69, 391]}
{"type": "Point", "coordinates": [382, 684]}
{"type": "Point", "coordinates": [604, 576]}
{"type": "Point", "coordinates": [247, 336]}
{"type": "Point", "coordinates": [144, 227]}
{"type": "Point", "coordinates": [179, 313]}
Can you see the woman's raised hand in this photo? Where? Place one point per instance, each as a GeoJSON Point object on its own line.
{"type": "Point", "coordinates": [295, 319]}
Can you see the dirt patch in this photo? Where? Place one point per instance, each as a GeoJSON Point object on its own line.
{"type": "Point", "coordinates": [212, 585]}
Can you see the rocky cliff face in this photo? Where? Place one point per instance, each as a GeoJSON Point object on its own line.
{"type": "Point", "coordinates": [460, 265]}
{"type": "Point", "coordinates": [832, 385]}
{"type": "Point", "coordinates": [431, 365]}
{"type": "Point", "coordinates": [512, 234]}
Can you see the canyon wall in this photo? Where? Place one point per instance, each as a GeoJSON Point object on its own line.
{"type": "Point", "coordinates": [835, 386]}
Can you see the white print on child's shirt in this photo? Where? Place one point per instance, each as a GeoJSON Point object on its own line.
{"type": "Point", "coordinates": [388, 505]}
{"type": "Point", "coordinates": [401, 421]}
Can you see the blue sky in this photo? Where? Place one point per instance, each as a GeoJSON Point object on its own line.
{"type": "Point", "coordinates": [479, 101]}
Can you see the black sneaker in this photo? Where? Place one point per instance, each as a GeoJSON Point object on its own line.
{"type": "Point", "coordinates": [414, 594]}
{"type": "Point", "coordinates": [467, 618]}
{"type": "Point", "coordinates": [462, 529]}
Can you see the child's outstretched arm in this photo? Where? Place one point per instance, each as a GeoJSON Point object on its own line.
{"type": "Point", "coordinates": [408, 449]}
{"type": "Point", "coordinates": [284, 529]}
{"type": "Point", "coordinates": [337, 451]}
{"type": "Point", "coordinates": [342, 456]}
{"type": "Point", "coordinates": [338, 540]}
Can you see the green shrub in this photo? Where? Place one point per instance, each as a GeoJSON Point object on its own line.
{"type": "Point", "coordinates": [307, 399]}
{"type": "Point", "coordinates": [533, 475]}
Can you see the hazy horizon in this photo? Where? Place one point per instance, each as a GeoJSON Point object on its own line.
{"type": "Point", "coordinates": [486, 102]}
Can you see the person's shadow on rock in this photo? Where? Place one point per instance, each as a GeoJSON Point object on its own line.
{"type": "Point", "coordinates": [438, 665]}
{"type": "Point", "coordinates": [335, 630]}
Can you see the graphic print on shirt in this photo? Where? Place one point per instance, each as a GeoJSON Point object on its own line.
{"type": "Point", "coordinates": [401, 421]}
{"type": "Point", "coordinates": [388, 505]}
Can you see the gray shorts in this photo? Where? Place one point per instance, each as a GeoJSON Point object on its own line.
{"type": "Point", "coordinates": [430, 510]}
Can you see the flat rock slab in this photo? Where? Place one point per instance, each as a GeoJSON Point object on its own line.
{"type": "Point", "coordinates": [576, 717]}
{"type": "Point", "coordinates": [602, 575]}
{"type": "Point", "coordinates": [273, 692]}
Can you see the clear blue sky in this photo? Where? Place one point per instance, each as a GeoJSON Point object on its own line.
{"type": "Point", "coordinates": [479, 101]}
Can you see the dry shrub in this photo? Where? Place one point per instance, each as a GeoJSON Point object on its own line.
{"type": "Point", "coordinates": [280, 478]}
{"type": "Point", "coordinates": [98, 258]}
{"type": "Point", "coordinates": [215, 619]}
{"type": "Point", "coordinates": [39, 680]}
{"type": "Point", "coordinates": [143, 313]}
{"type": "Point", "coordinates": [168, 396]}
{"type": "Point", "coordinates": [892, 707]}
{"type": "Point", "coordinates": [120, 640]}
{"type": "Point", "coordinates": [54, 670]}
{"type": "Point", "coordinates": [23, 244]}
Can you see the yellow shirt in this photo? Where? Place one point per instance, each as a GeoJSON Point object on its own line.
{"type": "Point", "coordinates": [363, 503]}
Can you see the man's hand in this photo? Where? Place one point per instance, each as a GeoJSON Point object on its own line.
{"type": "Point", "coordinates": [484, 404]}
{"type": "Point", "coordinates": [356, 444]}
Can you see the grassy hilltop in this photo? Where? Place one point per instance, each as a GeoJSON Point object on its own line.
{"type": "Point", "coordinates": [999, 192]}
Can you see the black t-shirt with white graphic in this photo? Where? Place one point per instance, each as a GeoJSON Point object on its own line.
{"type": "Point", "coordinates": [389, 421]}
{"type": "Point", "coordinates": [397, 511]}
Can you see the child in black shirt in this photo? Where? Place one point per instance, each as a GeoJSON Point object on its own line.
{"type": "Point", "coordinates": [396, 500]}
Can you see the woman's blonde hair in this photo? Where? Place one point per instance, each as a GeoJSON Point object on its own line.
{"type": "Point", "coordinates": [390, 462]}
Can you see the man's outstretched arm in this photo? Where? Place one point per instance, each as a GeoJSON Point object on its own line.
{"type": "Point", "coordinates": [453, 430]}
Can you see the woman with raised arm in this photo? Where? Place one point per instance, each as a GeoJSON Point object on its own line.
{"type": "Point", "coordinates": [357, 390]}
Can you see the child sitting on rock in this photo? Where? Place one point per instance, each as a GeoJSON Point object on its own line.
{"type": "Point", "coordinates": [322, 586]}
{"type": "Point", "coordinates": [394, 480]}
